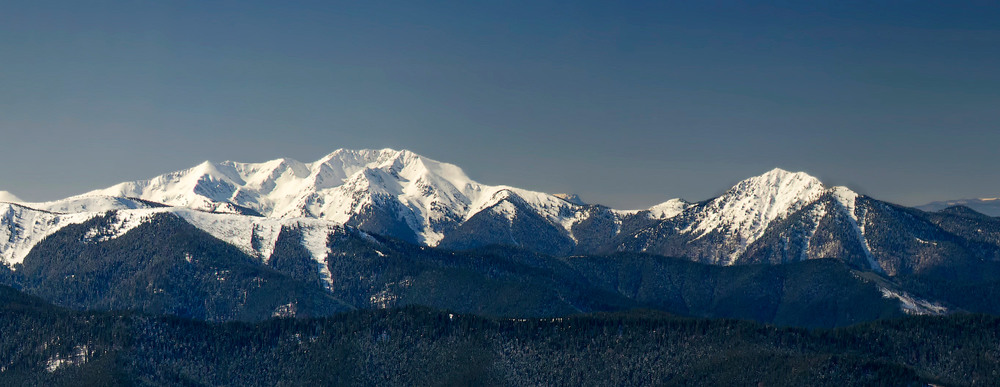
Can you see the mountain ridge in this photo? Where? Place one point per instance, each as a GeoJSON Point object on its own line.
{"type": "Point", "coordinates": [402, 194]}
{"type": "Point", "coordinates": [987, 206]}
{"type": "Point", "coordinates": [416, 198]}
{"type": "Point", "coordinates": [334, 223]}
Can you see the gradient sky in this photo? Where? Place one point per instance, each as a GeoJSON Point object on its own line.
{"type": "Point", "coordinates": [626, 103]}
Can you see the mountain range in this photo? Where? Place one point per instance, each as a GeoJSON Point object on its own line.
{"type": "Point", "coordinates": [988, 206]}
{"type": "Point", "coordinates": [324, 225]}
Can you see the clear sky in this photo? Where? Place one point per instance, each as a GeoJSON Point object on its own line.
{"type": "Point", "coordinates": [625, 103]}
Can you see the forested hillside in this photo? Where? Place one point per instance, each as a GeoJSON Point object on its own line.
{"type": "Point", "coordinates": [45, 345]}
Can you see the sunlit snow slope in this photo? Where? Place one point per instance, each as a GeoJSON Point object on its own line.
{"type": "Point", "coordinates": [358, 187]}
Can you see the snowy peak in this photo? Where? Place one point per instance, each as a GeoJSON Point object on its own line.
{"type": "Point", "coordinates": [8, 197]}
{"type": "Point", "coordinates": [773, 194]}
{"type": "Point", "coordinates": [668, 209]}
{"type": "Point", "coordinates": [344, 163]}
{"type": "Point", "coordinates": [777, 180]}
{"type": "Point", "coordinates": [200, 187]}
{"type": "Point", "coordinates": [744, 212]}
{"type": "Point", "coordinates": [726, 230]}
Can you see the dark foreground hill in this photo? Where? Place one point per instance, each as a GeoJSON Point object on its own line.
{"type": "Point", "coordinates": [45, 345]}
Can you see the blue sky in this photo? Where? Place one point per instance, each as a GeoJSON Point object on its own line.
{"type": "Point", "coordinates": [626, 104]}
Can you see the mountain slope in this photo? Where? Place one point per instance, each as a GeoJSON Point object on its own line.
{"type": "Point", "coordinates": [157, 261]}
{"type": "Point", "coordinates": [22, 227]}
{"type": "Point", "coordinates": [817, 293]}
{"type": "Point", "coordinates": [720, 231]}
{"type": "Point", "coordinates": [163, 265]}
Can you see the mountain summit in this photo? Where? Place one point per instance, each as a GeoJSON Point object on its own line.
{"type": "Point", "coordinates": [752, 204]}
{"type": "Point", "coordinates": [726, 230]}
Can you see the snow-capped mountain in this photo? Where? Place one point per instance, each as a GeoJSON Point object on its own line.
{"type": "Point", "coordinates": [395, 193]}
{"type": "Point", "coordinates": [747, 209]}
{"type": "Point", "coordinates": [720, 230]}
{"type": "Point", "coordinates": [783, 217]}
{"type": "Point", "coordinates": [414, 198]}
{"type": "Point", "coordinates": [391, 192]}
{"type": "Point", "coordinates": [776, 218]}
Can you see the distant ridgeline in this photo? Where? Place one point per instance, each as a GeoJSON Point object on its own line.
{"type": "Point", "coordinates": [376, 229]}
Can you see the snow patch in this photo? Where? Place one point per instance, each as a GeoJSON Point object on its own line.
{"type": "Point", "coordinates": [122, 223]}
{"type": "Point", "coordinates": [926, 242]}
{"type": "Point", "coordinates": [238, 230]}
{"type": "Point", "coordinates": [21, 228]}
{"type": "Point", "coordinates": [79, 356]}
{"type": "Point", "coordinates": [315, 238]}
{"type": "Point", "coordinates": [913, 305]}
{"type": "Point", "coordinates": [506, 210]}
{"type": "Point", "coordinates": [287, 310]}
{"type": "Point", "coordinates": [846, 198]}
{"type": "Point", "coordinates": [668, 209]}
{"type": "Point", "coordinates": [817, 215]}
{"type": "Point", "coordinates": [386, 298]}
